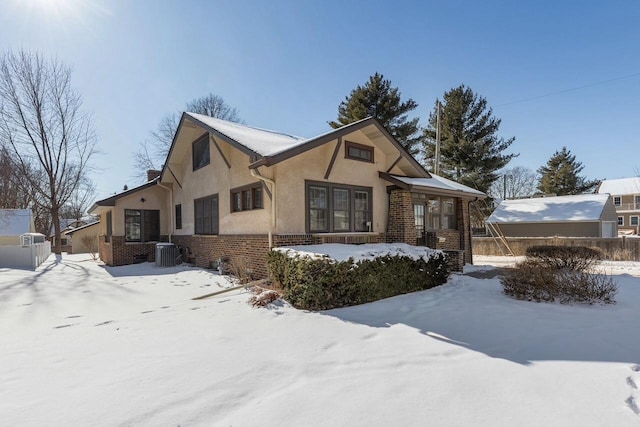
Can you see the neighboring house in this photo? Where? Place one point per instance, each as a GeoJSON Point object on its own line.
{"type": "Point", "coordinates": [229, 191]}
{"type": "Point", "coordinates": [626, 199]}
{"type": "Point", "coordinates": [79, 238]}
{"type": "Point", "coordinates": [586, 215]}
{"type": "Point", "coordinates": [13, 224]}
{"type": "Point", "coordinates": [67, 224]}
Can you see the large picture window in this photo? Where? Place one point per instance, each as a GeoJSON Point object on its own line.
{"type": "Point", "coordinates": [141, 225]}
{"type": "Point", "coordinates": [434, 213]}
{"type": "Point", "coordinates": [337, 208]}
{"type": "Point", "coordinates": [206, 215]}
{"type": "Point", "coordinates": [201, 152]}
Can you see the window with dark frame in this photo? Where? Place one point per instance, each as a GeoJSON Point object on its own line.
{"type": "Point", "coordinates": [246, 198]}
{"type": "Point", "coordinates": [141, 225]}
{"type": "Point", "coordinates": [107, 237]}
{"type": "Point", "coordinates": [335, 208]}
{"type": "Point", "coordinates": [620, 220]}
{"type": "Point", "coordinates": [617, 200]}
{"type": "Point", "coordinates": [178, 216]}
{"type": "Point", "coordinates": [355, 151]}
{"type": "Point", "coordinates": [200, 153]}
{"type": "Point", "coordinates": [206, 215]}
{"type": "Point", "coordinates": [436, 213]}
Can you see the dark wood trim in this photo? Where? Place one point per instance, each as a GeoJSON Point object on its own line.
{"type": "Point", "coordinates": [368, 148]}
{"type": "Point", "coordinates": [174, 176]}
{"type": "Point", "coordinates": [220, 135]}
{"type": "Point", "coordinates": [111, 201]}
{"type": "Point", "coordinates": [220, 151]}
{"type": "Point", "coordinates": [394, 180]}
{"type": "Point", "coordinates": [333, 158]}
{"type": "Point", "coordinates": [393, 165]}
{"type": "Point", "coordinates": [330, 186]}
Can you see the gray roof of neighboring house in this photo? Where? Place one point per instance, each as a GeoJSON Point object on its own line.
{"type": "Point", "coordinates": [584, 207]}
{"type": "Point", "coordinates": [618, 187]}
{"type": "Point", "coordinates": [14, 222]}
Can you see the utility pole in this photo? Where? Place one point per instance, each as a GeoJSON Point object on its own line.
{"type": "Point", "coordinates": [436, 166]}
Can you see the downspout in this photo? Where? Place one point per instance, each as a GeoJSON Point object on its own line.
{"type": "Point", "coordinates": [272, 229]}
{"type": "Point", "coordinates": [170, 208]}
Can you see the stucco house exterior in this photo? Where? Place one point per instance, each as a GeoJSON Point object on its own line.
{"type": "Point", "coordinates": [77, 237]}
{"type": "Point", "coordinates": [229, 191]}
{"type": "Point", "coordinates": [13, 224]}
{"type": "Point", "coordinates": [585, 215]}
{"type": "Point", "coordinates": [626, 199]}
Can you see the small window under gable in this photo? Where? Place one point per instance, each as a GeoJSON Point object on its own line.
{"type": "Point", "coordinates": [200, 153]}
{"type": "Point", "coordinates": [355, 151]}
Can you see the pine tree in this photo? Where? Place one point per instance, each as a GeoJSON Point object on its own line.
{"type": "Point", "coordinates": [378, 99]}
{"type": "Point", "coordinates": [470, 152]}
{"type": "Point", "coordinates": [560, 175]}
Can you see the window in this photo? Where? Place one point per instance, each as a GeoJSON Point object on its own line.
{"type": "Point", "coordinates": [201, 152]}
{"type": "Point", "coordinates": [178, 217]}
{"type": "Point", "coordinates": [434, 213]}
{"type": "Point", "coordinates": [141, 225]}
{"type": "Point", "coordinates": [246, 198]}
{"type": "Point", "coordinates": [107, 238]}
{"type": "Point", "coordinates": [633, 220]}
{"type": "Point", "coordinates": [620, 220]}
{"type": "Point", "coordinates": [358, 152]}
{"type": "Point", "coordinates": [617, 200]}
{"type": "Point", "coordinates": [206, 215]}
{"type": "Point", "coordinates": [636, 199]}
{"type": "Point", "coordinates": [338, 208]}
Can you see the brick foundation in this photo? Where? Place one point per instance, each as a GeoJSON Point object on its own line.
{"type": "Point", "coordinates": [119, 252]}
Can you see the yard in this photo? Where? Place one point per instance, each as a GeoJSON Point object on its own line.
{"type": "Point", "coordinates": [84, 344]}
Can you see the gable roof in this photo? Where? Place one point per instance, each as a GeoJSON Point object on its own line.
{"type": "Point", "coordinates": [73, 230]}
{"type": "Point", "coordinates": [583, 208]}
{"type": "Point", "coordinates": [14, 222]}
{"type": "Point", "coordinates": [111, 201]}
{"type": "Point", "coordinates": [273, 147]}
{"type": "Point", "coordinates": [620, 186]}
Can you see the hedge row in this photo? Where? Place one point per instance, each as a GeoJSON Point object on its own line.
{"type": "Point", "coordinates": [321, 284]}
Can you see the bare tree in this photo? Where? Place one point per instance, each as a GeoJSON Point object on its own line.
{"type": "Point", "coordinates": [80, 200]}
{"type": "Point", "coordinates": [45, 129]}
{"type": "Point", "coordinates": [153, 152]}
{"type": "Point", "coordinates": [515, 182]}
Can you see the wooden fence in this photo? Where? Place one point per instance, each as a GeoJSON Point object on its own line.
{"type": "Point", "coordinates": [616, 248]}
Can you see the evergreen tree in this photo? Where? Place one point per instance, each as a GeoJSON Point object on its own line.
{"type": "Point", "coordinates": [378, 99]}
{"type": "Point", "coordinates": [470, 150]}
{"type": "Point", "coordinates": [560, 175]}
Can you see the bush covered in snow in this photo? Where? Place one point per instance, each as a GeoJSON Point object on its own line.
{"type": "Point", "coordinates": [554, 273]}
{"type": "Point", "coordinates": [316, 283]}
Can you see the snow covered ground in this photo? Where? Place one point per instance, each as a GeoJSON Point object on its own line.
{"type": "Point", "coordinates": [86, 345]}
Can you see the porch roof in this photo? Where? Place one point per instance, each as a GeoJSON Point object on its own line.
{"type": "Point", "coordinates": [435, 184]}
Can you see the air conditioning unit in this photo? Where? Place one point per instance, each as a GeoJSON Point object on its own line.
{"type": "Point", "coordinates": [166, 254]}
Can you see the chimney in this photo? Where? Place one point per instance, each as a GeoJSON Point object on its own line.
{"type": "Point", "coordinates": [152, 174]}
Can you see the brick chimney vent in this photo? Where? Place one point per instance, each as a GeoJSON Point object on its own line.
{"type": "Point", "coordinates": [152, 174]}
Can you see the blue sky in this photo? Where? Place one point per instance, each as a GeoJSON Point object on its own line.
{"type": "Point", "coordinates": [286, 65]}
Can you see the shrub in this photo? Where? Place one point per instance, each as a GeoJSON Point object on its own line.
{"type": "Point", "coordinates": [320, 284]}
{"type": "Point", "coordinates": [579, 258]}
{"type": "Point", "coordinates": [533, 280]}
{"type": "Point", "coordinates": [263, 297]}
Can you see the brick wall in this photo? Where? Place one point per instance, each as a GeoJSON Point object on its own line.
{"type": "Point", "coordinates": [105, 251]}
{"type": "Point", "coordinates": [401, 226]}
{"type": "Point", "coordinates": [119, 252]}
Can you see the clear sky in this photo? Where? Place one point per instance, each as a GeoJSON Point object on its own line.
{"type": "Point", "coordinates": [286, 66]}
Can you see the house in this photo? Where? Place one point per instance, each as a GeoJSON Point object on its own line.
{"type": "Point", "coordinates": [13, 224]}
{"type": "Point", "coordinates": [626, 199]}
{"type": "Point", "coordinates": [586, 215]}
{"type": "Point", "coordinates": [81, 238]}
{"type": "Point", "coordinates": [230, 192]}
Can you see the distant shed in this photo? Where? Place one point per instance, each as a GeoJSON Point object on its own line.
{"type": "Point", "coordinates": [13, 224]}
{"type": "Point", "coordinates": [585, 215]}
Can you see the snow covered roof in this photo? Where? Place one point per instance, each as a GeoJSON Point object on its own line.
{"type": "Point", "coordinates": [261, 141]}
{"type": "Point", "coordinates": [584, 207]}
{"type": "Point", "coordinates": [14, 222]}
{"type": "Point", "coordinates": [439, 183]}
{"type": "Point", "coordinates": [621, 186]}
{"type": "Point", "coordinates": [82, 227]}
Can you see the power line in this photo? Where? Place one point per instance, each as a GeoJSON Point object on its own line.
{"type": "Point", "coordinates": [569, 90]}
